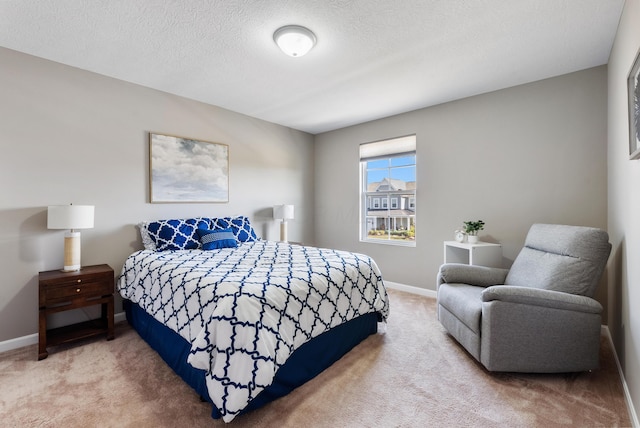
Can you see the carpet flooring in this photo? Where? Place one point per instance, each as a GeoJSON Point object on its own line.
{"type": "Point", "coordinates": [410, 374]}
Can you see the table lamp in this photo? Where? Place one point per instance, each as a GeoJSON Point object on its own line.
{"type": "Point", "coordinates": [70, 217]}
{"type": "Point", "coordinates": [284, 213]}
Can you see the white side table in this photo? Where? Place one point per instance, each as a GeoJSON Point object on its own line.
{"type": "Point", "coordinates": [480, 253]}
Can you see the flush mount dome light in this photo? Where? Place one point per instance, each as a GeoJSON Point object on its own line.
{"type": "Point", "coordinates": [294, 40]}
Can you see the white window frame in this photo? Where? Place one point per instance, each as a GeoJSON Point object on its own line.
{"type": "Point", "coordinates": [387, 149]}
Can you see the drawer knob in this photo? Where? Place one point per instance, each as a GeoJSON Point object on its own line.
{"type": "Point", "coordinates": [79, 281]}
{"type": "Point", "coordinates": [77, 290]}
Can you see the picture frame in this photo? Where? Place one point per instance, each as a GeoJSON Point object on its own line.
{"type": "Point", "coordinates": [184, 170]}
{"type": "Point", "coordinates": [633, 86]}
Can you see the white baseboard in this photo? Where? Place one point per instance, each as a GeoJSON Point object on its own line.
{"type": "Point", "coordinates": [627, 396]}
{"type": "Point", "coordinates": [410, 289]}
{"type": "Point", "coordinates": [18, 342]}
{"type": "Point", "coordinates": [32, 339]}
{"type": "Point", "coordinates": [120, 316]}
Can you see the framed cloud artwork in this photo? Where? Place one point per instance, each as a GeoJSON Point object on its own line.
{"type": "Point", "coordinates": [187, 170]}
{"type": "Point", "coordinates": [634, 108]}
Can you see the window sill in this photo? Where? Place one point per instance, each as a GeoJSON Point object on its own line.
{"type": "Point", "coordinates": [389, 242]}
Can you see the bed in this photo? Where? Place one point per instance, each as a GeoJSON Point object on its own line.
{"type": "Point", "coordinates": [242, 320]}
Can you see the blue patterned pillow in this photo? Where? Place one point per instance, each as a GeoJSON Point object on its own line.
{"type": "Point", "coordinates": [217, 239]}
{"type": "Point", "coordinates": [175, 234]}
{"type": "Point", "coordinates": [240, 227]}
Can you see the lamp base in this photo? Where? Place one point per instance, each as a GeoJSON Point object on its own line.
{"type": "Point", "coordinates": [283, 231]}
{"type": "Point", "coordinates": [71, 251]}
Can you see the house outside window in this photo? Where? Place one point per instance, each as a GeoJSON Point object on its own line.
{"type": "Point", "coordinates": [388, 175]}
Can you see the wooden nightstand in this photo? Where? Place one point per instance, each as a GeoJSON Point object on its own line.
{"type": "Point", "coordinates": [62, 291]}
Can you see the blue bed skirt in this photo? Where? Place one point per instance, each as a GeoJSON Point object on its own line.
{"type": "Point", "coordinates": [304, 364]}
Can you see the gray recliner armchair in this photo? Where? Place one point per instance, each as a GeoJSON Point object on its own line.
{"type": "Point", "coordinates": [539, 316]}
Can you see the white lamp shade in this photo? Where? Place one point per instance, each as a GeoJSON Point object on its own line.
{"type": "Point", "coordinates": [283, 212]}
{"type": "Point", "coordinates": [294, 40]}
{"type": "Point", "coordinates": [70, 216]}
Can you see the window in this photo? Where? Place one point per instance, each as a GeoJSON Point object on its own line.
{"type": "Point", "coordinates": [388, 191]}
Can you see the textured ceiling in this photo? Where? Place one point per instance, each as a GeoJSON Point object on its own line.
{"type": "Point", "coordinates": [373, 58]}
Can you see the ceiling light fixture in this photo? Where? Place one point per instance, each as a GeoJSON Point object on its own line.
{"type": "Point", "coordinates": [294, 40]}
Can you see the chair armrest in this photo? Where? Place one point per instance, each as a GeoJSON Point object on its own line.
{"type": "Point", "coordinates": [539, 297]}
{"type": "Point", "coordinates": [482, 276]}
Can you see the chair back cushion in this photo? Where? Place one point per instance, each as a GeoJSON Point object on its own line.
{"type": "Point", "coordinates": [563, 258]}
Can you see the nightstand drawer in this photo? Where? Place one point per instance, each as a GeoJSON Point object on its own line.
{"type": "Point", "coordinates": [78, 288]}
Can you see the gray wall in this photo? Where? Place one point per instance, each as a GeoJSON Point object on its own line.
{"type": "Point", "coordinates": [532, 153]}
{"type": "Point", "coordinates": [624, 206]}
{"type": "Point", "coordinates": [71, 136]}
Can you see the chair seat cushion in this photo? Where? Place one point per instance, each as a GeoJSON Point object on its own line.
{"type": "Point", "coordinates": [464, 301]}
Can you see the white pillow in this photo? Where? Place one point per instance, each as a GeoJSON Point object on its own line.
{"type": "Point", "coordinates": [146, 239]}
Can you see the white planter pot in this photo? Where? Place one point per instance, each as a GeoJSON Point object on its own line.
{"type": "Point", "coordinates": [472, 239]}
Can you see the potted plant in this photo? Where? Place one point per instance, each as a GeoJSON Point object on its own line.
{"type": "Point", "coordinates": [471, 228]}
